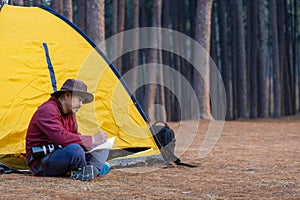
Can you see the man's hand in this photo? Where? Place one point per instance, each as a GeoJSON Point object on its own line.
{"type": "Point", "coordinates": [99, 138]}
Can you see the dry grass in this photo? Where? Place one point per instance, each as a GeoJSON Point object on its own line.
{"type": "Point", "coordinates": [252, 160]}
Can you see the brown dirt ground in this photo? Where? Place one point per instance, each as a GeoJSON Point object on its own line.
{"type": "Point", "coordinates": [253, 159]}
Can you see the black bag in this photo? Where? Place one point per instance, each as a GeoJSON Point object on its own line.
{"type": "Point", "coordinates": [165, 139]}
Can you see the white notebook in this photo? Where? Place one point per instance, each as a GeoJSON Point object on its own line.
{"type": "Point", "coordinates": [106, 145]}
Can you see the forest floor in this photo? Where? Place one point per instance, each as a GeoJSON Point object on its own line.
{"type": "Point", "coordinates": [253, 159]}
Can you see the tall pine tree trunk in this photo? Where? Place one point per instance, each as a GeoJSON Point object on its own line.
{"type": "Point", "coordinates": [160, 112]}
{"type": "Point", "coordinates": [213, 35]}
{"type": "Point", "coordinates": [95, 20]}
{"type": "Point", "coordinates": [224, 56]}
{"type": "Point", "coordinates": [176, 59]}
{"type": "Point", "coordinates": [263, 100]}
{"type": "Point", "coordinates": [120, 28]}
{"type": "Point", "coordinates": [241, 61]}
{"type": "Point", "coordinates": [135, 55]}
{"type": "Point", "coordinates": [68, 9]}
{"type": "Point", "coordinates": [252, 63]}
{"type": "Point", "coordinates": [284, 47]}
{"type": "Point", "coordinates": [202, 35]}
{"type": "Point", "coordinates": [166, 61]}
{"type": "Point", "coordinates": [275, 57]}
{"type": "Point", "coordinates": [81, 15]}
{"type": "Point", "coordinates": [114, 49]}
{"type": "Point", "coordinates": [296, 56]}
{"type": "Point", "coordinates": [155, 94]}
{"type": "Point", "coordinates": [185, 69]}
{"type": "Point", "coordinates": [234, 52]}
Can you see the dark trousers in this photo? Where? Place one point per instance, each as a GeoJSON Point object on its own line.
{"type": "Point", "coordinates": [61, 161]}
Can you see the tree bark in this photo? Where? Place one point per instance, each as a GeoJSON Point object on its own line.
{"type": "Point", "coordinates": [214, 35]}
{"type": "Point", "coordinates": [176, 59]}
{"type": "Point", "coordinates": [113, 49]}
{"type": "Point", "coordinates": [27, 3]}
{"type": "Point", "coordinates": [295, 56]}
{"type": "Point", "coordinates": [81, 15]}
{"type": "Point", "coordinates": [155, 94]}
{"type": "Point", "coordinates": [57, 5]}
{"type": "Point", "coordinates": [36, 2]}
{"type": "Point", "coordinates": [284, 51]}
{"type": "Point", "coordinates": [121, 27]}
{"type": "Point", "coordinates": [224, 56]}
{"type": "Point", "coordinates": [275, 57]}
{"type": "Point", "coordinates": [95, 27]}
{"type": "Point", "coordinates": [202, 35]}
{"type": "Point", "coordinates": [133, 58]}
{"type": "Point", "coordinates": [68, 9]}
{"type": "Point", "coordinates": [241, 61]}
{"type": "Point", "coordinates": [17, 2]}
{"type": "Point", "coordinates": [136, 21]}
{"type": "Point", "coordinates": [234, 52]}
{"type": "Point", "coordinates": [114, 28]}
{"type": "Point", "coordinates": [263, 100]}
{"type": "Point", "coordinates": [253, 59]}
{"type": "Point", "coordinates": [166, 61]}
{"type": "Point", "coordinates": [160, 112]}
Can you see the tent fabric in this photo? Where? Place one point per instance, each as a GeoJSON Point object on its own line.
{"type": "Point", "coordinates": [145, 158]}
{"type": "Point", "coordinates": [39, 50]}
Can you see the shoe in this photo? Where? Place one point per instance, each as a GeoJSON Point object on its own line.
{"type": "Point", "coordinates": [105, 169]}
{"type": "Point", "coordinates": [85, 173]}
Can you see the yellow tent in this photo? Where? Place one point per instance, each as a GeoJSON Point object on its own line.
{"type": "Point", "coordinates": [39, 50]}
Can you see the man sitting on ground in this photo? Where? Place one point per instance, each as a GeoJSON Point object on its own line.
{"type": "Point", "coordinates": [53, 128]}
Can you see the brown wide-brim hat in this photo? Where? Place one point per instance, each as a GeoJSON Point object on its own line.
{"type": "Point", "coordinates": [77, 87]}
